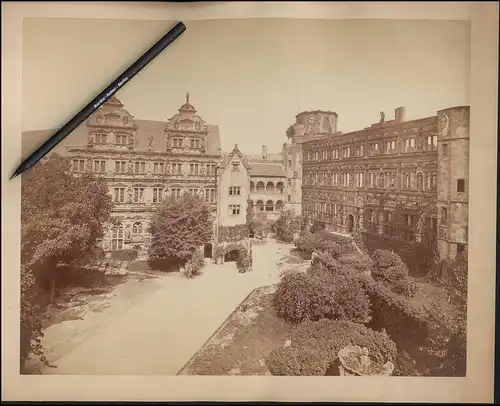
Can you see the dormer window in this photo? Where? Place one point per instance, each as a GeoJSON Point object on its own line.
{"type": "Point", "coordinates": [236, 167]}
{"type": "Point", "coordinates": [195, 143]}
{"type": "Point", "coordinates": [177, 142]}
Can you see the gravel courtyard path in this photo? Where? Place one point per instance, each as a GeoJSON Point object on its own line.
{"type": "Point", "coordinates": [158, 334]}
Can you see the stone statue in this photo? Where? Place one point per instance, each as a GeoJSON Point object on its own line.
{"type": "Point", "coordinates": [364, 359]}
{"type": "Point", "coordinates": [168, 143]}
{"type": "Point", "coordinates": [382, 117]}
{"type": "Point", "coordinates": [127, 233]}
{"type": "Point", "coordinates": [150, 143]}
{"type": "Point", "coordinates": [129, 191]}
{"type": "Point", "coordinates": [89, 165]}
{"type": "Point", "coordinates": [130, 167]}
{"type": "Point", "coordinates": [131, 141]}
{"type": "Point", "coordinates": [202, 170]}
{"type": "Point", "coordinates": [90, 139]}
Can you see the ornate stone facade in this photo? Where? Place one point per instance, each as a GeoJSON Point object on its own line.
{"type": "Point", "coordinates": [144, 163]}
{"type": "Point", "coordinates": [392, 177]}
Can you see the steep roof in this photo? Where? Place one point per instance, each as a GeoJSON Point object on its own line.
{"type": "Point", "coordinates": [267, 169]}
{"type": "Point", "coordinates": [145, 129]}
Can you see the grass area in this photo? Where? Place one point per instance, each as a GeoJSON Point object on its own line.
{"type": "Point", "coordinates": [243, 341]}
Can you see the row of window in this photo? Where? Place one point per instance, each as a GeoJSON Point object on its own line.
{"type": "Point", "coordinates": [137, 194]}
{"type": "Point", "coordinates": [269, 188]}
{"type": "Point", "coordinates": [121, 167]}
{"type": "Point", "coordinates": [120, 139]}
{"type": "Point", "coordinates": [410, 144]}
{"type": "Point", "coordinates": [178, 142]}
{"type": "Point", "coordinates": [383, 180]}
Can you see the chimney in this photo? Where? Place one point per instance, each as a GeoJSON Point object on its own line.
{"type": "Point", "coordinates": [235, 146]}
{"type": "Point", "coordinates": [264, 152]}
{"type": "Point", "coordinates": [399, 114]}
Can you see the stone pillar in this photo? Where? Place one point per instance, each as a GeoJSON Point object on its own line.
{"type": "Point", "coordinates": [380, 222]}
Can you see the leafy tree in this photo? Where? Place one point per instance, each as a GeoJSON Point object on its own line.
{"type": "Point", "coordinates": [62, 218]}
{"type": "Point", "coordinates": [178, 228]}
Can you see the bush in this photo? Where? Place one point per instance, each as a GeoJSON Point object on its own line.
{"type": "Point", "coordinates": [325, 338]}
{"type": "Point", "coordinates": [125, 255]}
{"type": "Point", "coordinates": [316, 295]}
{"type": "Point", "coordinates": [286, 226]}
{"type": "Point", "coordinates": [407, 326]}
{"type": "Point", "coordinates": [362, 263]}
{"type": "Point", "coordinates": [292, 362]}
{"type": "Point", "coordinates": [317, 226]}
{"type": "Point", "coordinates": [391, 270]}
{"type": "Point", "coordinates": [194, 265]}
{"type": "Point", "coordinates": [307, 244]}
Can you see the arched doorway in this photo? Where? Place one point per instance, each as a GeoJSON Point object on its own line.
{"type": "Point", "coordinates": [350, 223]}
{"type": "Point", "coordinates": [207, 250]}
{"type": "Point", "coordinates": [231, 256]}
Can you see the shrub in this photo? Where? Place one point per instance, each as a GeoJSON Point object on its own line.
{"type": "Point", "coordinates": [306, 244]}
{"type": "Point", "coordinates": [332, 265]}
{"type": "Point", "coordinates": [391, 270]}
{"type": "Point", "coordinates": [286, 226]}
{"type": "Point", "coordinates": [326, 338]}
{"type": "Point", "coordinates": [316, 294]}
{"type": "Point", "coordinates": [292, 362]}
{"type": "Point", "coordinates": [407, 326]}
{"type": "Point", "coordinates": [385, 258]}
{"type": "Point", "coordinates": [362, 263]}
{"type": "Point", "coordinates": [194, 265]}
{"type": "Point", "coordinates": [317, 226]}
{"type": "Point", "coordinates": [125, 255]}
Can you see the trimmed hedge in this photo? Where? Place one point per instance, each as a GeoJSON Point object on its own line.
{"type": "Point", "coordinates": [407, 326]}
{"type": "Point", "coordinates": [362, 263]}
{"type": "Point", "coordinates": [325, 338]}
{"type": "Point", "coordinates": [320, 293]}
{"type": "Point", "coordinates": [323, 241]}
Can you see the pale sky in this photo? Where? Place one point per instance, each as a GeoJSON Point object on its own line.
{"type": "Point", "coordinates": [251, 77]}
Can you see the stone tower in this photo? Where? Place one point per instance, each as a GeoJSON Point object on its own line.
{"type": "Point", "coordinates": [453, 181]}
{"type": "Point", "coordinates": [307, 126]}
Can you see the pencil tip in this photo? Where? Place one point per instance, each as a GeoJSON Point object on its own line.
{"type": "Point", "coordinates": [17, 172]}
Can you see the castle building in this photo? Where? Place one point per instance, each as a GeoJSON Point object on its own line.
{"type": "Point", "coordinates": [308, 125]}
{"type": "Point", "coordinates": [145, 161]}
{"type": "Point", "coordinates": [396, 177]}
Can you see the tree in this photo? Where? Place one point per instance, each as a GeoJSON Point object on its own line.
{"type": "Point", "coordinates": [62, 218]}
{"type": "Point", "coordinates": [178, 228]}
{"type": "Point", "coordinates": [286, 226]}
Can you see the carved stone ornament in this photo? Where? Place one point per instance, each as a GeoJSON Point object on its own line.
{"type": "Point", "coordinates": [130, 167]}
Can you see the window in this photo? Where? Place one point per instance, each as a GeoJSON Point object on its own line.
{"type": "Point", "coordinates": [120, 167]}
{"type": "Point", "coordinates": [234, 191]}
{"type": "Point", "coordinates": [177, 142]}
{"type": "Point", "coordinates": [195, 143]}
{"type": "Point", "coordinates": [140, 167]}
{"type": "Point", "coordinates": [119, 194]}
{"type": "Point", "coordinates": [236, 167]}
{"type": "Point", "coordinates": [460, 248]}
{"type": "Point", "coordinates": [158, 167]}
{"type": "Point", "coordinates": [117, 237]}
{"type": "Point", "coordinates": [234, 209]}
{"type": "Point", "coordinates": [100, 166]}
{"type": "Point", "coordinates": [211, 169]}
{"type": "Point", "coordinates": [269, 205]}
{"type": "Point", "coordinates": [177, 168]}
{"type": "Point", "coordinates": [210, 195]}
{"type": "Point", "coordinates": [120, 139]}
{"type": "Point", "coordinates": [390, 146]}
{"type": "Point", "coordinates": [78, 165]}
{"type": "Point", "coordinates": [194, 169]}
{"type": "Point", "coordinates": [137, 228]}
{"type": "Point", "coordinates": [138, 194]}
{"type": "Point", "coordinates": [444, 216]}
{"type": "Point", "coordinates": [176, 192]}
{"type": "Point", "coordinates": [444, 148]}
{"type": "Point", "coordinates": [325, 154]}
{"type": "Point", "coordinates": [193, 192]}
{"type": "Point", "coordinates": [335, 153]}
{"type": "Point", "coordinates": [432, 142]}
{"type": "Point", "coordinates": [157, 195]}
{"type": "Point", "coordinates": [460, 185]}
{"type": "Point", "coordinates": [289, 198]}
{"type": "Point", "coordinates": [100, 138]}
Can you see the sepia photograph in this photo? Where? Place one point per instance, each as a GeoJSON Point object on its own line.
{"type": "Point", "coordinates": [291, 205]}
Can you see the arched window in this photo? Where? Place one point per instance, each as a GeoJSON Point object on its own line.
{"type": "Point", "coordinates": [281, 187]}
{"type": "Point", "coordinates": [137, 228]}
{"type": "Point", "coordinates": [270, 187]}
{"type": "Point", "coordinates": [269, 205]}
{"type": "Point", "coordinates": [260, 205]}
{"type": "Point", "coordinates": [252, 187]}
{"type": "Point", "coordinates": [260, 187]}
{"type": "Point", "coordinates": [279, 205]}
{"type": "Point", "coordinates": [117, 237]}
{"type": "Point", "coordinates": [420, 181]}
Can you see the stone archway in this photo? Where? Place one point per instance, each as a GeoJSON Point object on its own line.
{"type": "Point", "coordinates": [350, 223]}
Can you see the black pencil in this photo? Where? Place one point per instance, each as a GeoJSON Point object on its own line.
{"type": "Point", "coordinates": [133, 70]}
